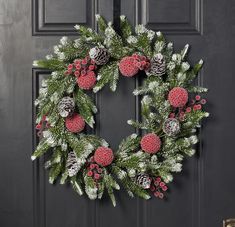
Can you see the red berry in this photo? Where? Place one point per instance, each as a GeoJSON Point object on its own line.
{"type": "Point", "coordinates": [162, 184]}
{"type": "Point", "coordinates": [197, 97]}
{"type": "Point", "coordinates": [70, 66]}
{"type": "Point", "coordinates": [92, 166]}
{"type": "Point", "coordinates": [89, 173]}
{"type": "Point", "coordinates": [178, 97]}
{"type": "Point", "coordinates": [127, 67]}
{"type": "Point", "coordinates": [77, 73]}
{"type": "Point", "coordinates": [199, 107]}
{"type": "Point", "coordinates": [161, 195]}
{"type": "Point", "coordinates": [192, 102]}
{"type": "Point", "coordinates": [38, 126]}
{"type": "Point", "coordinates": [203, 101]}
{"type": "Point", "coordinates": [83, 72]}
{"type": "Point", "coordinates": [103, 156]}
{"type": "Point", "coordinates": [188, 109]}
{"type": "Point", "coordinates": [75, 123]}
{"type": "Point", "coordinates": [91, 67]}
{"type": "Point", "coordinates": [78, 67]}
{"type": "Point", "coordinates": [157, 193]}
{"type": "Point", "coordinates": [164, 188]}
{"type": "Point", "coordinates": [99, 170]}
{"type": "Point", "coordinates": [150, 143]}
{"type": "Point", "coordinates": [84, 61]}
{"type": "Point", "coordinates": [97, 176]}
{"type": "Point", "coordinates": [152, 188]}
{"type": "Point", "coordinates": [77, 61]}
{"type": "Point", "coordinates": [158, 179]}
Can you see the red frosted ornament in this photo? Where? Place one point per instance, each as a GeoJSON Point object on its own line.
{"type": "Point", "coordinates": [150, 143]}
{"type": "Point", "coordinates": [75, 123]}
{"type": "Point", "coordinates": [103, 156]}
{"type": "Point", "coordinates": [178, 97]}
{"type": "Point", "coordinates": [127, 67]}
{"type": "Point", "coordinates": [87, 81]}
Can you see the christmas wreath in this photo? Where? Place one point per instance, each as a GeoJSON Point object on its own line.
{"type": "Point", "coordinates": [170, 113]}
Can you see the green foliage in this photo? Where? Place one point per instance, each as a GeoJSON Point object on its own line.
{"type": "Point", "coordinates": [102, 24]}
{"type": "Point", "coordinates": [126, 28]}
{"type": "Point", "coordinates": [86, 106]}
{"type": "Point", "coordinates": [109, 73]}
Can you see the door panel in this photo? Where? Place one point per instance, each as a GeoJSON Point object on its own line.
{"type": "Point", "coordinates": [199, 197]}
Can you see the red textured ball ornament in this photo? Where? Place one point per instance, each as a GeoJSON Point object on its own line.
{"type": "Point", "coordinates": [127, 67]}
{"type": "Point", "coordinates": [150, 143]}
{"type": "Point", "coordinates": [87, 81]}
{"type": "Point", "coordinates": [75, 123]}
{"type": "Point", "coordinates": [178, 97]}
{"type": "Point", "coordinates": [103, 156]}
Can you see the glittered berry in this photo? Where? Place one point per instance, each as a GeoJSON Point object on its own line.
{"type": "Point", "coordinates": [150, 143]}
{"type": "Point", "coordinates": [103, 156]}
{"type": "Point", "coordinates": [127, 67]}
{"type": "Point", "coordinates": [178, 97]}
{"type": "Point", "coordinates": [75, 123]}
{"type": "Point", "coordinates": [188, 109]}
{"type": "Point", "coordinates": [92, 166]}
{"type": "Point", "coordinates": [164, 188]}
{"type": "Point", "coordinates": [97, 176]}
{"type": "Point", "coordinates": [89, 173]}
{"type": "Point", "coordinates": [203, 101]}
{"type": "Point", "coordinates": [87, 81]}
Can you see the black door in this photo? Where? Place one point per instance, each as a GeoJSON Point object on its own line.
{"type": "Point", "coordinates": [202, 196]}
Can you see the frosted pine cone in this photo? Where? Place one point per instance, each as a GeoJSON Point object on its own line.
{"type": "Point", "coordinates": [171, 127]}
{"type": "Point", "coordinates": [158, 65]}
{"type": "Point", "coordinates": [99, 55]}
{"type": "Point", "coordinates": [143, 180]}
{"type": "Point", "coordinates": [66, 106]}
{"type": "Point", "coordinates": [72, 164]}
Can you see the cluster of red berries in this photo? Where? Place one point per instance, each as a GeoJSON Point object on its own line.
{"type": "Point", "coordinates": [42, 125]}
{"type": "Point", "coordinates": [93, 169]}
{"type": "Point", "coordinates": [141, 62]}
{"type": "Point", "coordinates": [129, 66]}
{"type": "Point", "coordinates": [158, 187]}
{"type": "Point", "coordinates": [84, 70]}
{"type": "Point", "coordinates": [194, 105]}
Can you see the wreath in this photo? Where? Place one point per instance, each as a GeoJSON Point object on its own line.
{"type": "Point", "coordinates": [171, 111]}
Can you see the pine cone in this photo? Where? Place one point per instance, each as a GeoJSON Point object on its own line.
{"type": "Point", "coordinates": [171, 126]}
{"type": "Point", "coordinates": [143, 180]}
{"type": "Point", "coordinates": [72, 164]}
{"type": "Point", "coordinates": [99, 55]}
{"type": "Point", "coordinates": [66, 106]}
{"type": "Point", "coordinates": [158, 65]}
